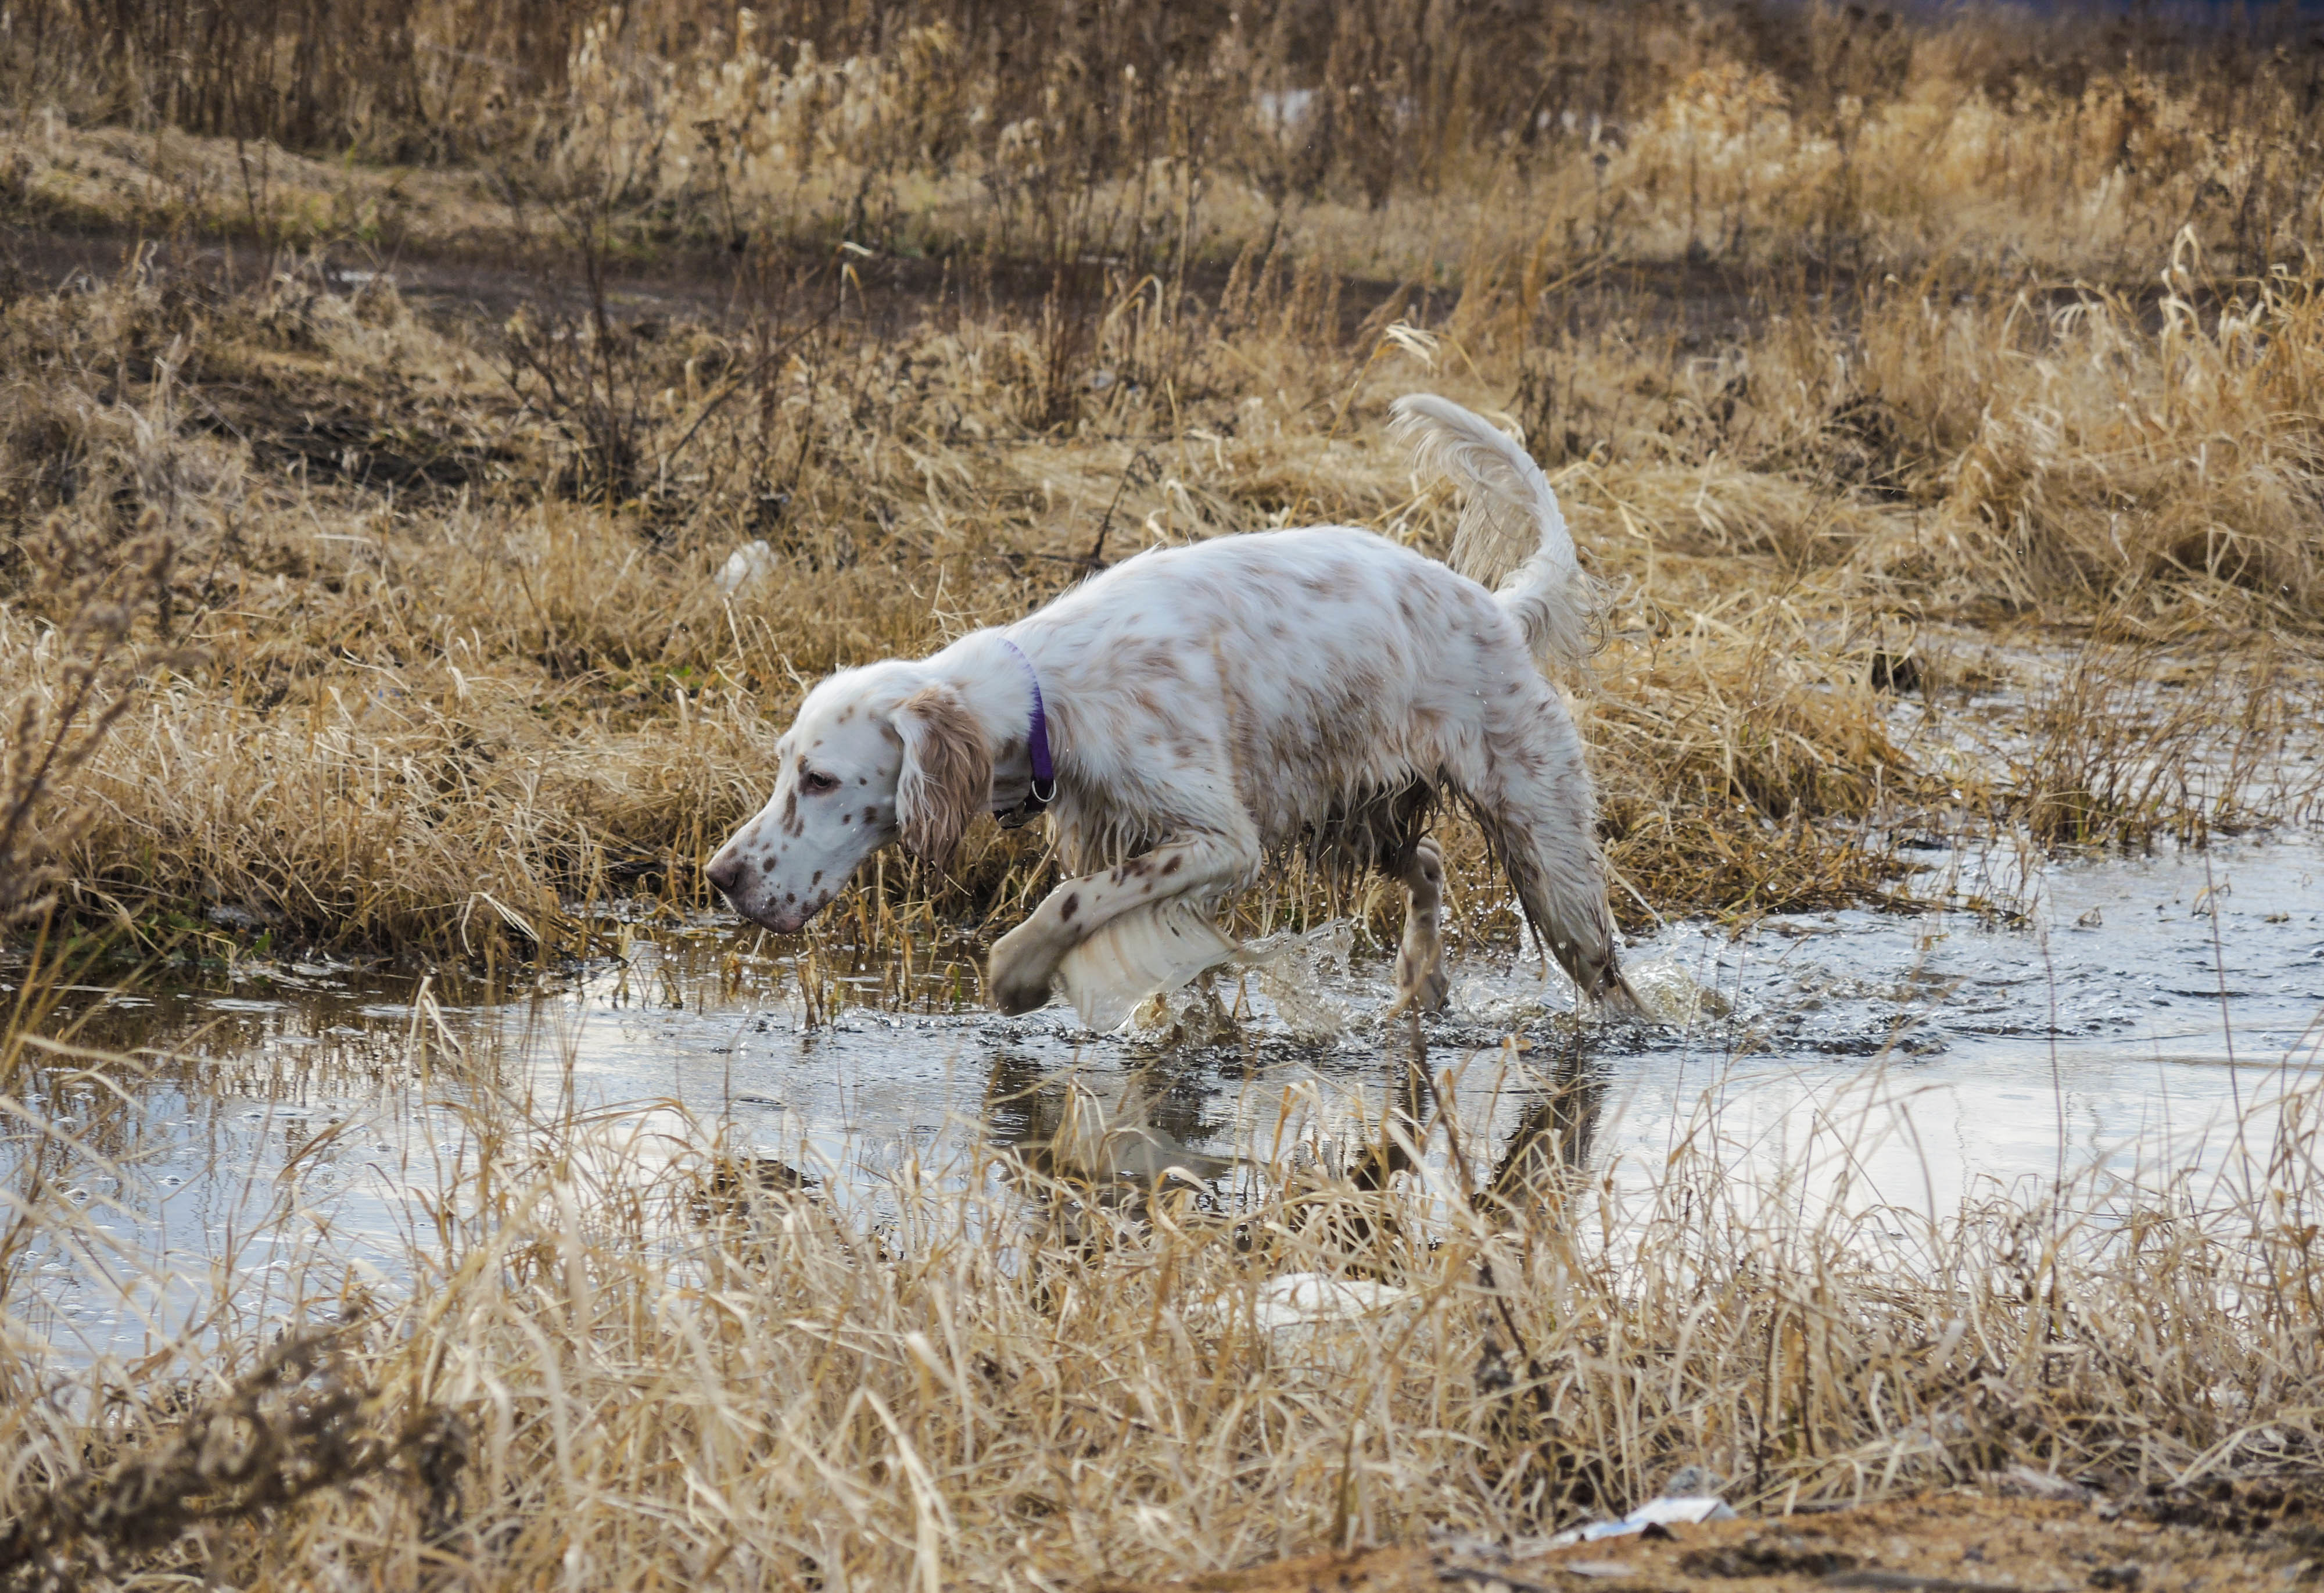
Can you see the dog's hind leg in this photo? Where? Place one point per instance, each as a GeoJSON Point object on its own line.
{"type": "Point", "coordinates": [1532, 797]}
{"type": "Point", "coordinates": [1420, 961]}
{"type": "Point", "coordinates": [1387, 828]}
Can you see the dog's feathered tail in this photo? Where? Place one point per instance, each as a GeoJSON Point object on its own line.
{"type": "Point", "coordinates": [1512, 538]}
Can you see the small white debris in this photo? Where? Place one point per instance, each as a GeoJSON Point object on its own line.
{"type": "Point", "coordinates": [1670, 1510]}
{"type": "Point", "coordinates": [1296, 1300]}
{"type": "Point", "coordinates": [2024, 1482]}
{"type": "Point", "coordinates": [752, 562]}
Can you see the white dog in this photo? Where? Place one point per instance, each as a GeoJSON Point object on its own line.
{"type": "Point", "coordinates": [1194, 710]}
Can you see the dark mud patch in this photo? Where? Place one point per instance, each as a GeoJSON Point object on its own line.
{"type": "Point", "coordinates": [1967, 1540]}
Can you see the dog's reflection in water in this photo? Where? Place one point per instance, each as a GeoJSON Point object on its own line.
{"type": "Point", "coordinates": [1122, 1149]}
{"type": "Point", "coordinates": [1056, 1126]}
{"type": "Point", "coordinates": [1553, 1139]}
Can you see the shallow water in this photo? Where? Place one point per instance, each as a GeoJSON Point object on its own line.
{"type": "Point", "coordinates": [301, 1121]}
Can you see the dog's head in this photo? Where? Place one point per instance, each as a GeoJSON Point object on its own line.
{"type": "Point", "coordinates": [876, 754]}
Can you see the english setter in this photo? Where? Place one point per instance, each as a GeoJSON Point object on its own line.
{"type": "Point", "coordinates": [1194, 710]}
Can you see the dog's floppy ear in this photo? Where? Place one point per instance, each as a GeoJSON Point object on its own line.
{"type": "Point", "coordinates": [947, 775]}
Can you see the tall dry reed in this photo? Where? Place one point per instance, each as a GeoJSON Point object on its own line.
{"type": "Point", "coordinates": [624, 1357]}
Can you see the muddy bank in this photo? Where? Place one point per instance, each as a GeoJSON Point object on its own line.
{"type": "Point", "coordinates": [1697, 302]}
{"type": "Point", "coordinates": [1984, 1539]}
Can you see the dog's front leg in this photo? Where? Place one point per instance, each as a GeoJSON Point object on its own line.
{"type": "Point", "coordinates": [1026, 958]}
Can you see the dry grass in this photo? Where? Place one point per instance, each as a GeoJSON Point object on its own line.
{"type": "Point", "coordinates": [628, 1361]}
{"type": "Point", "coordinates": [2079, 144]}
{"type": "Point", "coordinates": [430, 688]}
{"type": "Point", "coordinates": [1840, 335]}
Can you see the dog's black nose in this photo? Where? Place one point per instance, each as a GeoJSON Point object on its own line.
{"type": "Point", "coordinates": [725, 874]}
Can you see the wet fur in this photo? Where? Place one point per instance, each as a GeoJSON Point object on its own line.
{"type": "Point", "coordinates": [947, 775]}
{"type": "Point", "coordinates": [1213, 707]}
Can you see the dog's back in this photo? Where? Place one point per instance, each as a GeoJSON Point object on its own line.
{"type": "Point", "coordinates": [1306, 668]}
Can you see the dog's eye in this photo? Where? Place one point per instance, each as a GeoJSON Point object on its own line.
{"type": "Point", "coordinates": [815, 783]}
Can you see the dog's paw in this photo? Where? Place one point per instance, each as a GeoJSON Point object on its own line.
{"type": "Point", "coordinates": [1019, 970]}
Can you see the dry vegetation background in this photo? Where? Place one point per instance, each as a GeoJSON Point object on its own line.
{"type": "Point", "coordinates": [441, 355]}
{"type": "Point", "coordinates": [383, 388]}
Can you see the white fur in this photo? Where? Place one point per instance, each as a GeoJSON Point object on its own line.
{"type": "Point", "coordinates": [1212, 706]}
{"type": "Point", "coordinates": [1108, 976]}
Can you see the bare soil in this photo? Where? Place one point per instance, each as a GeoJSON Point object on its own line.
{"type": "Point", "coordinates": [1957, 1541]}
{"type": "Point", "coordinates": [477, 281]}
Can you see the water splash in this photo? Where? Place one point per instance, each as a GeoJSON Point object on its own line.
{"type": "Point", "coordinates": [1296, 973]}
{"type": "Point", "coordinates": [1673, 996]}
{"type": "Point", "coordinates": [1189, 1015]}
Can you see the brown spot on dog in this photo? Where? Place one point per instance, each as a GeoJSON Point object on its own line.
{"type": "Point", "coordinates": [870, 815]}
{"type": "Point", "coordinates": [1069, 906]}
{"type": "Point", "coordinates": [1171, 867]}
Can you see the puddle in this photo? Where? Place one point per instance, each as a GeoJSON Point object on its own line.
{"type": "Point", "coordinates": [308, 1122]}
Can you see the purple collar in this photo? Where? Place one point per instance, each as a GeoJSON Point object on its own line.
{"type": "Point", "coordinates": [1044, 787]}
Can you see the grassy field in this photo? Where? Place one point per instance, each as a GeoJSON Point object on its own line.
{"type": "Point", "coordinates": [393, 495]}
{"type": "Point", "coordinates": [384, 389]}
